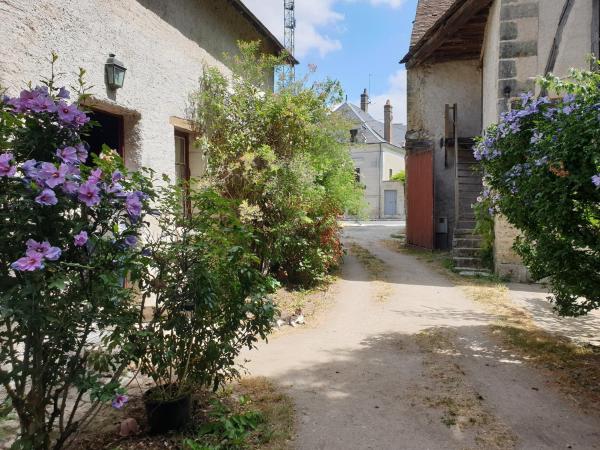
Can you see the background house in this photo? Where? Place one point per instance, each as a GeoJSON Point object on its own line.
{"type": "Point", "coordinates": [377, 149]}
{"type": "Point", "coordinates": [468, 60]}
{"type": "Point", "coordinates": [164, 46]}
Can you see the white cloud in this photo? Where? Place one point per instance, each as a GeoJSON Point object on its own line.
{"type": "Point", "coordinates": [313, 18]}
{"type": "Point", "coordinates": [395, 93]}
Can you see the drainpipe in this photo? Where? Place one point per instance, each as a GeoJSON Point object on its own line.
{"type": "Point", "coordinates": [380, 175]}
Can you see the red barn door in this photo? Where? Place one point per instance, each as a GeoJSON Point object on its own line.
{"type": "Point", "coordinates": [419, 192]}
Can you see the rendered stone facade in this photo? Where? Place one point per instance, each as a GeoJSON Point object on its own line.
{"type": "Point", "coordinates": [164, 44]}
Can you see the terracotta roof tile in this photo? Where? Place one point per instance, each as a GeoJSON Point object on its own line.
{"type": "Point", "coordinates": [428, 13]}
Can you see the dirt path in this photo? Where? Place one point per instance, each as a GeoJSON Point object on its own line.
{"type": "Point", "coordinates": [407, 364]}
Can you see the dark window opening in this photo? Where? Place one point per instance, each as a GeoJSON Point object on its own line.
{"type": "Point", "coordinates": [391, 173]}
{"type": "Point", "coordinates": [353, 134]}
{"type": "Point", "coordinates": [357, 174]}
{"type": "Point", "coordinates": [108, 131]}
{"type": "Point", "coordinates": [182, 165]}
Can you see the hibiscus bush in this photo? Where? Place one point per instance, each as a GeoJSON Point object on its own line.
{"type": "Point", "coordinates": [542, 171]}
{"type": "Point", "coordinates": [69, 223]}
{"type": "Point", "coordinates": [210, 299]}
{"type": "Point", "coordinates": [282, 157]}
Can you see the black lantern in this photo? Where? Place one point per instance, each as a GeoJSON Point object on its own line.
{"type": "Point", "coordinates": [115, 72]}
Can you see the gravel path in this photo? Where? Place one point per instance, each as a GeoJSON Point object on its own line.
{"type": "Point", "coordinates": [407, 364]}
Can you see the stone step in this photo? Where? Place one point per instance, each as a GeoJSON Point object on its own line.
{"type": "Point", "coordinates": [470, 272]}
{"type": "Point", "coordinates": [469, 180]}
{"type": "Point", "coordinates": [466, 224]}
{"type": "Point", "coordinates": [465, 233]}
{"type": "Point", "coordinates": [467, 242]}
{"type": "Point", "coordinates": [467, 262]}
{"type": "Point", "coordinates": [466, 252]}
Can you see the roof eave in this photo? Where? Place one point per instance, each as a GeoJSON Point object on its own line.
{"type": "Point", "coordinates": [243, 9]}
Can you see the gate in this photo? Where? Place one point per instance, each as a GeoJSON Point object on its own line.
{"type": "Point", "coordinates": [419, 194]}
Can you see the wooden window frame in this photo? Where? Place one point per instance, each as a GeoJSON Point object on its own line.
{"type": "Point", "coordinates": [596, 30]}
{"type": "Point", "coordinates": [186, 168]}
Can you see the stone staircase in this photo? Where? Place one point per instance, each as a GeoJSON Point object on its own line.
{"type": "Point", "coordinates": [466, 245]}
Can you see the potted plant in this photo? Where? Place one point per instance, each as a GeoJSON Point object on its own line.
{"type": "Point", "coordinates": [209, 301]}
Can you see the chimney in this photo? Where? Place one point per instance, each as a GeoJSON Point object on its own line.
{"type": "Point", "coordinates": [387, 121]}
{"type": "Point", "coordinates": [364, 101]}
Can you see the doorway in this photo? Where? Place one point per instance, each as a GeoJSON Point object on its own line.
{"type": "Point", "coordinates": [390, 202]}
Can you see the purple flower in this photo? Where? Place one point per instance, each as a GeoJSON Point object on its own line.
{"type": "Point", "coordinates": [82, 153]}
{"type": "Point", "coordinates": [114, 188]}
{"type": "Point", "coordinates": [42, 104]}
{"type": "Point", "coordinates": [116, 176]}
{"type": "Point", "coordinates": [120, 401]}
{"type": "Point", "coordinates": [67, 113]}
{"type": "Point", "coordinates": [95, 175]}
{"type": "Point", "coordinates": [63, 93]}
{"type": "Point", "coordinates": [89, 193]}
{"type": "Point", "coordinates": [569, 109]}
{"type": "Point", "coordinates": [68, 155]}
{"type": "Point", "coordinates": [596, 180]}
{"type": "Point", "coordinates": [70, 187]}
{"type": "Point", "coordinates": [133, 205]}
{"type": "Point", "coordinates": [131, 241]}
{"type": "Point", "coordinates": [569, 98]}
{"type": "Point", "coordinates": [47, 198]}
{"type": "Point", "coordinates": [42, 248]}
{"type": "Point", "coordinates": [29, 263]}
{"type": "Point", "coordinates": [52, 175]}
{"type": "Point", "coordinates": [29, 168]}
{"type": "Point", "coordinates": [537, 137]}
{"type": "Point", "coordinates": [6, 169]}
{"type": "Point", "coordinates": [80, 239]}
{"type": "Point", "coordinates": [81, 119]}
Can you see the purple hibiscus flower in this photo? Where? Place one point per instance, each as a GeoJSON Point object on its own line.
{"type": "Point", "coordinates": [70, 187]}
{"type": "Point", "coordinates": [47, 198]}
{"type": "Point", "coordinates": [131, 241]}
{"type": "Point", "coordinates": [52, 175]}
{"type": "Point", "coordinates": [80, 119]}
{"type": "Point", "coordinates": [68, 155]}
{"type": "Point", "coordinates": [42, 103]}
{"type": "Point", "coordinates": [133, 205]}
{"type": "Point", "coordinates": [67, 113]}
{"type": "Point", "coordinates": [82, 153]}
{"type": "Point", "coordinates": [6, 169]}
{"type": "Point", "coordinates": [29, 263]}
{"type": "Point", "coordinates": [43, 248]}
{"type": "Point", "coordinates": [63, 93]}
{"type": "Point", "coordinates": [596, 180]}
{"type": "Point", "coordinates": [95, 175]}
{"type": "Point", "coordinates": [29, 168]}
{"type": "Point", "coordinates": [120, 401]}
{"type": "Point", "coordinates": [89, 193]}
{"type": "Point", "coordinates": [80, 239]}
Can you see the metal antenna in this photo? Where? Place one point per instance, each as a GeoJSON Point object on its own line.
{"type": "Point", "coordinates": [289, 9]}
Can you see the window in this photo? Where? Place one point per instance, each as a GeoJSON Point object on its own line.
{"type": "Point", "coordinates": [182, 163]}
{"type": "Point", "coordinates": [353, 135]}
{"type": "Point", "coordinates": [391, 173]}
{"type": "Point", "coordinates": [357, 174]}
{"type": "Point", "coordinates": [109, 132]}
{"type": "Point", "coordinates": [596, 28]}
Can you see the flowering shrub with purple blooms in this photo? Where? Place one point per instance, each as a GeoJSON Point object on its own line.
{"type": "Point", "coordinates": [69, 241]}
{"type": "Point", "coordinates": [542, 172]}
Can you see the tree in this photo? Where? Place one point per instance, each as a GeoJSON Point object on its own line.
{"type": "Point", "coordinates": [282, 157]}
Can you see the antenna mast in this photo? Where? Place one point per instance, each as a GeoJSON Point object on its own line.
{"type": "Point", "coordinates": [289, 9]}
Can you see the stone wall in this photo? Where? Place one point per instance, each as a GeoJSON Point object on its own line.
{"type": "Point", "coordinates": [163, 43]}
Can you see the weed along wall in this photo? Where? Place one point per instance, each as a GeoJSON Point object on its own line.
{"type": "Point", "coordinates": [163, 44]}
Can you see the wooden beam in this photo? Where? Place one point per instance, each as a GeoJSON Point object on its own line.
{"type": "Point", "coordinates": [436, 36]}
{"type": "Point", "coordinates": [564, 17]}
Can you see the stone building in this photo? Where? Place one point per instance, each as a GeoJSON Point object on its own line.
{"type": "Point", "coordinates": [377, 149]}
{"type": "Point", "coordinates": [468, 60]}
{"type": "Point", "coordinates": [164, 45]}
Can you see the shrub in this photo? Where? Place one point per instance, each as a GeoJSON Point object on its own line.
{"type": "Point", "coordinates": [69, 229]}
{"type": "Point", "coordinates": [542, 167]}
{"type": "Point", "coordinates": [400, 176]}
{"type": "Point", "coordinates": [210, 298]}
{"type": "Point", "coordinates": [282, 156]}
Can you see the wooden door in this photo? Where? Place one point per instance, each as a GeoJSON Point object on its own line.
{"type": "Point", "coordinates": [419, 194]}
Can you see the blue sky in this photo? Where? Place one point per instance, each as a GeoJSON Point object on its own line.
{"type": "Point", "coordinates": [350, 39]}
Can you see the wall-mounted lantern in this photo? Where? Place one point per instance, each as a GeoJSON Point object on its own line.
{"type": "Point", "coordinates": [115, 72]}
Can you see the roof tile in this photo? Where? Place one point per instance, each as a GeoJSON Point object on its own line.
{"type": "Point", "coordinates": [428, 13]}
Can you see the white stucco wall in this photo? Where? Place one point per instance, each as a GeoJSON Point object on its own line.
{"type": "Point", "coordinates": [374, 162]}
{"type": "Point", "coordinates": [163, 43]}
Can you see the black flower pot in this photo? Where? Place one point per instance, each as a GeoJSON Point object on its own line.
{"type": "Point", "coordinates": [167, 415]}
